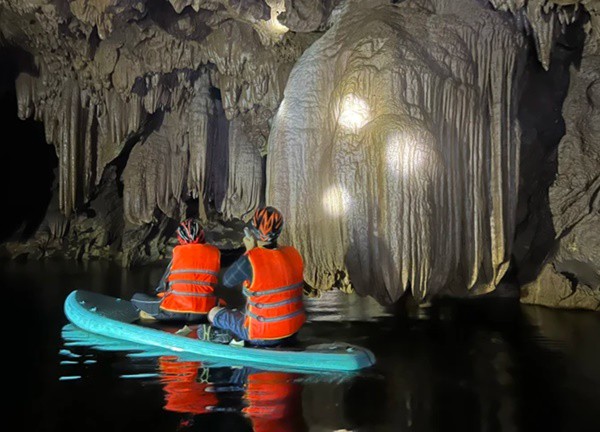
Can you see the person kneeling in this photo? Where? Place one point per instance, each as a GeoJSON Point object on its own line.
{"type": "Point", "coordinates": [272, 279]}
{"type": "Point", "coordinates": [186, 291]}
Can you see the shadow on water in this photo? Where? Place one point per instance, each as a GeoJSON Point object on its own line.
{"type": "Point", "coordinates": [472, 365]}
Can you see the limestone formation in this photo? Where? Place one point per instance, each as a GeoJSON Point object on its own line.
{"type": "Point", "coordinates": [102, 68]}
{"type": "Point", "coordinates": [554, 289]}
{"type": "Point", "coordinates": [546, 19]}
{"type": "Point", "coordinates": [395, 154]}
{"type": "Point", "coordinates": [149, 88]}
{"type": "Point", "coordinates": [382, 120]}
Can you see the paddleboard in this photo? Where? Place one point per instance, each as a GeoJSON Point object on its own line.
{"type": "Point", "coordinates": [117, 318]}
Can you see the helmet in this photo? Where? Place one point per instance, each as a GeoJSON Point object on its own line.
{"type": "Point", "coordinates": [190, 231]}
{"type": "Point", "coordinates": [266, 224]}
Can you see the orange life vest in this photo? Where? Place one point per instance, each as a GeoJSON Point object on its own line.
{"type": "Point", "coordinates": [192, 279]}
{"type": "Point", "coordinates": [183, 392]}
{"type": "Point", "coordinates": [274, 307]}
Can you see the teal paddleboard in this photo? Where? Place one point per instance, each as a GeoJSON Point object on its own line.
{"type": "Point", "coordinates": [116, 318]}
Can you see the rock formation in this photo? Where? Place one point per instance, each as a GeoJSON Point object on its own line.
{"type": "Point", "coordinates": [382, 126]}
{"type": "Point", "coordinates": [571, 275]}
{"type": "Point", "coordinates": [388, 132]}
{"type": "Point", "coordinates": [150, 88]}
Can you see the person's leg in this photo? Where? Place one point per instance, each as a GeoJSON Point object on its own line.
{"type": "Point", "coordinates": [285, 342]}
{"type": "Point", "coordinates": [233, 321]}
{"type": "Point", "coordinates": [151, 306]}
{"type": "Point", "coordinates": [230, 320]}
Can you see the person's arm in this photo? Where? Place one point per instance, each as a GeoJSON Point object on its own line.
{"type": "Point", "coordinates": [238, 272]}
{"type": "Point", "coordinates": [162, 285]}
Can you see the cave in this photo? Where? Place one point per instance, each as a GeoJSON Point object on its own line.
{"type": "Point", "coordinates": [28, 165]}
{"type": "Point", "coordinates": [437, 167]}
{"type": "Point", "coordinates": [423, 148]}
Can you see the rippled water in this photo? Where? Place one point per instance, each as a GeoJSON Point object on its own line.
{"type": "Point", "coordinates": [481, 365]}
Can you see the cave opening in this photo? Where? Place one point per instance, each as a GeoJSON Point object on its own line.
{"type": "Point", "coordinates": [27, 162]}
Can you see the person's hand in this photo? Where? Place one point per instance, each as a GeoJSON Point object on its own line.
{"type": "Point", "coordinates": [249, 242]}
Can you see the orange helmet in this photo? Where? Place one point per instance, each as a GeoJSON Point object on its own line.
{"type": "Point", "coordinates": [266, 224]}
{"type": "Point", "coordinates": [190, 231]}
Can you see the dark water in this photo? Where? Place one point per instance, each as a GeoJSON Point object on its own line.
{"type": "Point", "coordinates": [467, 366]}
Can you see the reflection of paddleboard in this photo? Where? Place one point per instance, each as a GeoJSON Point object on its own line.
{"type": "Point", "coordinates": [115, 318]}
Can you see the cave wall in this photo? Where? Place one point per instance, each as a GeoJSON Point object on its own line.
{"type": "Point", "coordinates": [396, 153]}
{"type": "Point", "coordinates": [570, 276]}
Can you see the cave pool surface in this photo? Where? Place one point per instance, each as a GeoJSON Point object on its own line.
{"type": "Point", "coordinates": [477, 365]}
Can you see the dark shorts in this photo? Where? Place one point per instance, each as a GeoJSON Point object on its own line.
{"type": "Point", "coordinates": [233, 321]}
{"type": "Point", "coordinates": [151, 305]}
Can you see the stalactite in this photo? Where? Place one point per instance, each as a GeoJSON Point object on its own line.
{"type": "Point", "coordinates": [87, 129]}
{"type": "Point", "coordinates": [155, 175]}
{"type": "Point", "coordinates": [187, 157]}
{"type": "Point", "coordinates": [307, 15]}
{"type": "Point", "coordinates": [545, 19]}
{"type": "Point", "coordinates": [245, 177]}
{"type": "Point", "coordinates": [215, 182]}
{"type": "Point", "coordinates": [201, 112]}
{"type": "Point", "coordinates": [95, 91]}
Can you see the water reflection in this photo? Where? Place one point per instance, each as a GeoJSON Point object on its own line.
{"type": "Point", "coordinates": [209, 394]}
{"type": "Point", "coordinates": [336, 306]}
{"type": "Point", "coordinates": [270, 400]}
{"type": "Point", "coordinates": [186, 389]}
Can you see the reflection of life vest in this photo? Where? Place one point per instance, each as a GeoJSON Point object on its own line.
{"type": "Point", "coordinates": [274, 298]}
{"type": "Point", "coordinates": [273, 402]}
{"type": "Point", "coordinates": [183, 393]}
{"type": "Point", "coordinates": [192, 279]}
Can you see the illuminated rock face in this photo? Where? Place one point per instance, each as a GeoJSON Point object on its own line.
{"type": "Point", "coordinates": [394, 154]}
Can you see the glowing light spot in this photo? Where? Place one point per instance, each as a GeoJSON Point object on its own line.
{"type": "Point", "coordinates": [355, 113]}
{"type": "Point", "coordinates": [276, 27]}
{"type": "Point", "coordinates": [405, 155]}
{"type": "Point", "coordinates": [336, 201]}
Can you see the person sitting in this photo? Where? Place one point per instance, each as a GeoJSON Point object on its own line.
{"type": "Point", "coordinates": [186, 290]}
{"type": "Point", "coordinates": [272, 278]}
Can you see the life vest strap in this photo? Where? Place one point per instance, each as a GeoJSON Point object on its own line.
{"type": "Point", "coordinates": [193, 271]}
{"type": "Point", "coordinates": [276, 304]}
{"type": "Point", "coordinates": [191, 282]}
{"type": "Point", "coordinates": [190, 294]}
{"type": "Point", "coordinates": [248, 293]}
{"type": "Point", "coordinates": [274, 319]}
